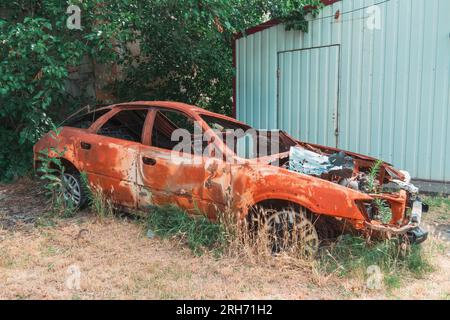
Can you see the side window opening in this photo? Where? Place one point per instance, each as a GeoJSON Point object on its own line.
{"type": "Point", "coordinates": [85, 121]}
{"type": "Point", "coordinates": [166, 122]}
{"type": "Point", "coordinates": [126, 125]}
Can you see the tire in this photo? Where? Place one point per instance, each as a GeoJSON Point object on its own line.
{"type": "Point", "coordinates": [74, 189]}
{"type": "Point", "coordinates": [291, 230]}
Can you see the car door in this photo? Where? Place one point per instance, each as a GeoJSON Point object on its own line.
{"type": "Point", "coordinates": [109, 152]}
{"type": "Point", "coordinates": [168, 174]}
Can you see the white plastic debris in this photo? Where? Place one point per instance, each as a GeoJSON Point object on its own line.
{"type": "Point", "coordinates": [312, 163]}
{"type": "Point", "coordinates": [308, 162]}
{"type": "Point", "coordinates": [150, 234]}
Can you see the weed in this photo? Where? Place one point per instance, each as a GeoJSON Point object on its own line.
{"type": "Point", "coordinates": [353, 255]}
{"type": "Point", "coordinates": [199, 233]}
{"type": "Point", "coordinates": [99, 203]}
{"type": "Point", "coordinates": [438, 202]}
{"type": "Point", "coordinates": [228, 236]}
{"type": "Point", "coordinates": [392, 281]}
{"type": "Point", "coordinates": [384, 211]}
{"type": "Point", "coordinates": [349, 256]}
{"type": "Point", "coordinates": [51, 171]}
{"type": "Point", "coordinates": [439, 209]}
{"type": "Point", "coordinates": [372, 176]}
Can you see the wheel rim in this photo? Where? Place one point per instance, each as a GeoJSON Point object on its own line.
{"type": "Point", "coordinates": [290, 230]}
{"type": "Point", "coordinates": [72, 189]}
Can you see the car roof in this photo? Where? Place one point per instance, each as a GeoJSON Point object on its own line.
{"type": "Point", "coordinates": [179, 106]}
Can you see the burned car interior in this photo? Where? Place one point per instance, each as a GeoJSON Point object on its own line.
{"type": "Point", "coordinates": [125, 125]}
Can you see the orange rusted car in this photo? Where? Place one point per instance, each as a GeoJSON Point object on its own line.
{"type": "Point", "coordinates": [132, 152]}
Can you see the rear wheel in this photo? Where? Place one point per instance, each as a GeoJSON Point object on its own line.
{"type": "Point", "coordinates": [74, 190]}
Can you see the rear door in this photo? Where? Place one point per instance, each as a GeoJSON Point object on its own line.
{"type": "Point", "coordinates": [109, 153]}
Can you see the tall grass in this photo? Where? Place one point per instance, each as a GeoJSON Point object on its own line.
{"type": "Point", "coordinates": [199, 233]}
{"type": "Point", "coordinates": [349, 256]}
{"type": "Point", "coordinates": [228, 237]}
{"type": "Point", "coordinates": [99, 203]}
{"type": "Point", "coordinates": [352, 255]}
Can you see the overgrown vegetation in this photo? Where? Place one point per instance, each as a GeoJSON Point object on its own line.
{"type": "Point", "coordinates": [438, 202]}
{"type": "Point", "coordinates": [184, 54]}
{"type": "Point", "coordinates": [353, 256]}
{"type": "Point", "coordinates": [373, 185]}
{"type": "Point", "coordinates": [99, 203]}
{"type": "Point", "coordinates": [372, 177]}
{"type": "Point", "coordinates": [199, 233]}
{"type": "Point", "coordinates": [384, 210]}
{"type": "Point", "coordinates": [51, 171]}
{"type": "Point", "coordinates": [349, 256]}
{"type": "Point", "coordinates": [36, 52]}
{"type": "Point", "coordinates": [439, 209]}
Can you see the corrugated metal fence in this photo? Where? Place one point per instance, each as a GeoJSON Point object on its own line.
{"type": "Point", "coordinates": [369, 76]}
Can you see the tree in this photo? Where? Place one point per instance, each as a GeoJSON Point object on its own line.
{"type": "Point", "coordinates": [185, 55]}
{"type": "Point", "coordinates": [185, 45]}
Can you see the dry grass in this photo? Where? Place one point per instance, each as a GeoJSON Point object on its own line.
{"type": "Point", "coordinates": [256, 248]}
{"type": "Point", "coordinates": [117, 261]}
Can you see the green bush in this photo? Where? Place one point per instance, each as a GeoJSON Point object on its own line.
{"type": "Point", "coordinates": [185, 55]}
{"type": "Point", "coordinates": [36, 51]}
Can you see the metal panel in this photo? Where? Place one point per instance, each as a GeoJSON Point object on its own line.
{"type": "Point", "coordinates": [312, 119]}
{"type": "Point", "coordinates": [394, 81]}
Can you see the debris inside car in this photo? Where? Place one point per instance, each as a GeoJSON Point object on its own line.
{"type": "Point", "coordinates": [311, 163]}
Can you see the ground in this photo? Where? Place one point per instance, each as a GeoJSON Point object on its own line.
{"type": "Point", "coordinates": [113, 258]}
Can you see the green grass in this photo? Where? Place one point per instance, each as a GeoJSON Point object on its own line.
{"type": "Point", "coordinates": [438, 202]}
{"type": "Point", "coordinates": [439, 209]}
{"type": "Point", "coordinates": [199, 233]}
{"type": "Point", "coordinates": [352, 255]}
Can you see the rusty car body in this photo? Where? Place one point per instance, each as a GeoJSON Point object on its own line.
{"type": "Point", "coordinates": [125, 150]}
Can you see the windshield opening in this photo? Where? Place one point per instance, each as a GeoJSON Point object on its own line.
{"type": "Point", "coordinates": [247, 142]}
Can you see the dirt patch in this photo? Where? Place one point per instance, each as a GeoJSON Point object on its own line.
{"type": "Point", "coordinates": [21, 204]}
{"type": "Point", "coordinates": [438, 219]}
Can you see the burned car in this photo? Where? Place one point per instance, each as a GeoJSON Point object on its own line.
{"type": "Point", "coordinates": [132, 151]}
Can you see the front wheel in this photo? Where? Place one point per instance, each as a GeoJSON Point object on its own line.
{"type": "Point", "coordinates": [291, 230]}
